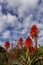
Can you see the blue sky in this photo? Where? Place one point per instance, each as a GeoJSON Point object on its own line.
{"type": "Point", "coordinates": [17, 17]}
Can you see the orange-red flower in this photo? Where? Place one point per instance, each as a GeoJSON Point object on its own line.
{"type": "Point", "coordinates": [28, 42]}
{"type": "Point", "coordinates": [29, 45]}
{"type": "Point", "coordinates": [34, 31]}
{"type": "Point", "coordinates": [7, 44]}
{"type": "Point", "coordinates": [20, 41]}
{"type": "Point", "coordinates": [15, 53]}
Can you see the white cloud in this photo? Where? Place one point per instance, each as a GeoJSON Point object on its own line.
{"type": "Point", "coordinates": [41, 33]}
{"type": "Point", "coordinates": [23, 6]}
{"type": "Point", "coordinates": [36, 22]}
{"type": "Point", "coordinates": [6, 34]}
{"type": "Point", "coordinates": [25, 10]}
{"type": "Point", "coordinates": [8, 20]}
{"type": "Point", "coordinates": [27, 6]}
{"type": "Point", "coordinates": [24, 31]}
{"type": "Point", "coordinates": [27, 21]}
{"type": "Point", "coordinates": [25, 3]}
{"type": "Point", "coordinates": [12, 20]}
{"type": "Point", "coordinates": [41, 39]}
{"type": "Point", "coordinates": [2, 22]}
{"type": "Point", "coordinates": [0, 10]}
{"type": "Point", "coordinates": [0, 7]}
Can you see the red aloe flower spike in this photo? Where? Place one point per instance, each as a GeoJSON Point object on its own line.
{"type": "Point", "coordinates": [7, 45]}
{"type": "Point", "coordinates": [20, 42]}
{"type": "Point", "coordinates": [28, 42]}
{"type": "Point", "coordinates": [15, 53]}
{"type": "Point", "coordinates": [34, 33]}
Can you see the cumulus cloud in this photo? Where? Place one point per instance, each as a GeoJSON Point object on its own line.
{"type": "Point", "coordinates": [8, 20]}
{"type": "Point", "coordinates": [41, 33]}
{"type": "Point", "coordinates": [17, 17]}
{"type": "Point", "coordinates": [6, 35]}
{"type": "Point", "coordinates": [27, 20]}
{"type": "Point", "coordinates": [23, 7]}
{"type": "Point", "coordinates": [27, 6]}
{"type": "Point", "coordinates": [0, 7]}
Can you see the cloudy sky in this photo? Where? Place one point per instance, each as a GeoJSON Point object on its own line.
{"type": "Point", "coordinates": [17, 17]}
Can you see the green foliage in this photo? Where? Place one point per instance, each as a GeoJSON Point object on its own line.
{"type": "Point", "coordinates": [35, 59]}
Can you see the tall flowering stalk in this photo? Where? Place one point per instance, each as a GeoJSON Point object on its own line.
{"type": "Point", "coordinates": [6, 45]}
{"type": "Point", "coordinates": [20, 42]}
{"type": "Point", "coordinates": [28, 45]}
{"type": "Point", "coordinates": [15, 54]}
{"type": "Point", "coordinates": [34, 33]}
